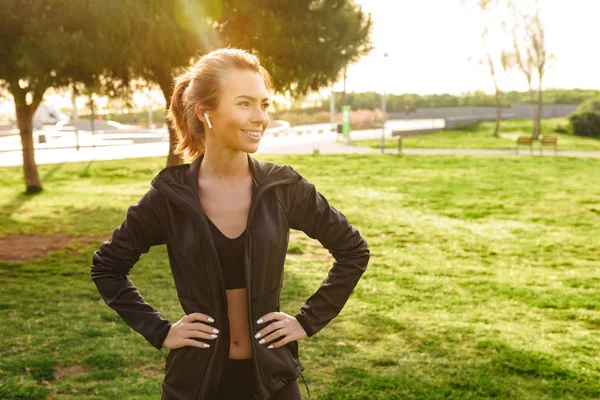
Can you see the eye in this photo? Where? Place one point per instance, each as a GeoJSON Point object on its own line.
{"type": "Point", "coordinates": [266, 105]}
{"type": "Point", "coordinates": [244, 103]}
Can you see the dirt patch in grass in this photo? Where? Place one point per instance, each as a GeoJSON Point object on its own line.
{"type": "Point", "coordinates": [72, 370]}
{"type": "Point", "coordinates": [150, 370]}
{"type": "Point", "coordinates": [17, 247]}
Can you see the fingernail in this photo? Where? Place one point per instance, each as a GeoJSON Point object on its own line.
{"type": "Point", "coordinates": [259, 321]}
{"type": "Point", "coordinates": [270, 346]}
{"type": "Point", "coordinates": [261, 341]}
{"type": "Point", "coordinates": [257, 335]}
{"type": "Point", "coordinates": [210, 319]}
{"type": "Point", "coordinates": [214, 336]}
{"type": "Point", "coordinates": [215, 330]}
{"type": "Point", "coordinates": [206, 345]}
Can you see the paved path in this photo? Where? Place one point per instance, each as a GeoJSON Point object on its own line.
{"type": "Point", "coordinates": [161, 149]}
{"type": "Point", "coordinates": [479, 152]}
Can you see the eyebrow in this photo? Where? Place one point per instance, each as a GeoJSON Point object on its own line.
{"type": "Point", "coordinates": [250, 97]}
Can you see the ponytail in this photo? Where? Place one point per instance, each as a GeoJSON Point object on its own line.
{"type": "Point", "coordinates": [182, 117]}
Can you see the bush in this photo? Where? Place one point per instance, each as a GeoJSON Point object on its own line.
{"type": "Point", "coordinates": [589, 105]}
{"type": "Point", "coordinates": [586, 124]}
{"type": "Point", "coordinates": [585, 121]}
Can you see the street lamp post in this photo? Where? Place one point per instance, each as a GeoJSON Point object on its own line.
{"type": "Point", "coordinates": [385, 56]}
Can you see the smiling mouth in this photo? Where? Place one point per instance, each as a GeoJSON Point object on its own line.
{"type": "Point", "coordinates": [254, 134]}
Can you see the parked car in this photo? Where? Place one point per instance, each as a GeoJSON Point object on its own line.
{"type": "Point", "coordinates": [47, 114]}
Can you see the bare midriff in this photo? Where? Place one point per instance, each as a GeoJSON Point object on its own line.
{"type": "Point", "coordinates": [237, 303]}
{"type": "Point", "coordinates": [227, 205]}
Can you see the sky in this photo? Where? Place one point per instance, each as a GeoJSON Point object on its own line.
{"type": "Point", "coordinates": [429, 43]}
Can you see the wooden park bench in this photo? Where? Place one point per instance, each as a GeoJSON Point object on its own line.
{"type": "Point", "coordinates": [548, 141]}
{"type": "Point", "coordinates": [525, 141]}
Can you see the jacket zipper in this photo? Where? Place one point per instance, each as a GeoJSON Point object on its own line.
{"type": "Point", "coordinates": [247, 260]}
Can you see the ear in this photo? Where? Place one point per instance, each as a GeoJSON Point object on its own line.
{"type": "Point", "coordinates": [199, 111]}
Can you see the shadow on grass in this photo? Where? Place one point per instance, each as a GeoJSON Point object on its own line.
{"type": "Point", "coordinates": [21, 198]}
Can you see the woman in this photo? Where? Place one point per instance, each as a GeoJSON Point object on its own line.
{"type": "Point", "coordinates": [225, 218]}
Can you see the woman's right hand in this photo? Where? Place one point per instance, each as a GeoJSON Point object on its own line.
{"type": "Point", "coordinates": [185, 332]}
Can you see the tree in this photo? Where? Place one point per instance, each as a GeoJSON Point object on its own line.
{"type": "Point", "coordinates": [505, 62]}
{"type": "Point", "coordinates": [54, 43]}
{"type": "Point", "coordinates": [304, 44]}
{"type": "Point", "coordinates": [530, 55]}
{"type": "Point", "coordinates": [494, 58]}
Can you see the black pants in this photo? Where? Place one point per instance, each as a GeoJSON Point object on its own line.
{"type": "Point", "coordinates": [238, 383]}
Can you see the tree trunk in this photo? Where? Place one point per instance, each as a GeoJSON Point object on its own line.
{"type": "Point", "coordinates": [30, 172]}
{"type": "Point", "coordinates": [164, 79]}
{"type": "Point", "coordinates": [534, 118]}
{"type": "Point", "coordinates": [540, 104]}
{"type": "Point", "coordinates": [498, 114]}
{"type": "Point", "coordinates": [498, 118]}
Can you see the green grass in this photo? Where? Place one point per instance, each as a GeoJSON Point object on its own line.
{"type": "Point", "coordinates": [479, 136]}
{"type": "Point", "coordinates": [483, 281]}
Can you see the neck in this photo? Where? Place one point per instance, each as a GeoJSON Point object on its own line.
{"type": "Point", "coordinates": [224, 164]}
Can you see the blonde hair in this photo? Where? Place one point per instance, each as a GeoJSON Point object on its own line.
{"type": "Point", "coordinates": [202, 83]}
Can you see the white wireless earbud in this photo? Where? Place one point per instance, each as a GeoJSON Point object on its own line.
{"type": "Point", "coordinates": [207, 119]}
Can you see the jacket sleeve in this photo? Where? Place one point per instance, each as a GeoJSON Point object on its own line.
{"type": "Point", "coordinates": [311, 213]}
{"type": "Point", "coordinates": [115, 258]}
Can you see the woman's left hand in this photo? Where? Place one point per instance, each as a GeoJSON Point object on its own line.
{"type": "Point", "coordinates": [284, 329]}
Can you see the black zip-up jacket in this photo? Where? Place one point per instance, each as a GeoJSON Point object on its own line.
{"type": "Point", "coordinates": [170, 213]}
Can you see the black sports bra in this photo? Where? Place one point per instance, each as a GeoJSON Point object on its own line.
{"type": "Point", "coordinates": [231, 254]}
{"type": "Point", "coordinates": [231, 257]}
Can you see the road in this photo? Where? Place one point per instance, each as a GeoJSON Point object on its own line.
{"type": "Point", "coordinates": [59, 145]}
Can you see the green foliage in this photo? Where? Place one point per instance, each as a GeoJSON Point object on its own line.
{"type": "Point", "coordinates": [303, 44]}
{"type": "Point", "coordinates": [585, 121]}
{"type": "Point", "coordinates": [590, 105]}
{"type": "Point", "coordinates": [52, 44]}
{"type": "Point", "coordinates": [408, 102]}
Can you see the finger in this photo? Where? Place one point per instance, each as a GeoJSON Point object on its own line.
{"type": "Point", "coordinates": [272, 336]}
{"type": "Point", "coordinates": [200, 335]}
{"type": "Point", "coordinates": [270, 328]}
{"type": "Point", "coordinates": [268, 317]}
{"type": "Point", "coordinates": [200, 327]}
{"type": "Point", "coordinates": [195, 343]}
{"type": "Point", "coordinates": [198, 317]}
{"type": "Point", "coordinates": [279, 343]}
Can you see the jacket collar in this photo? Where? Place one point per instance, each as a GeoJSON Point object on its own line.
{"type": "Point", "coordinates": [185, 176]}
{"type": "Point", "coordinates": [263, 173]}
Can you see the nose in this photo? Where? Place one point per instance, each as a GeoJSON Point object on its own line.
{"type": "Point", "coordinates": [260, 116]}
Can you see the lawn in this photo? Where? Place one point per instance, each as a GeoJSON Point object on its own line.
{"type": "Point", "coordinates": [479, 136]}
{"type": "Point", "coordinates": [483, 281]}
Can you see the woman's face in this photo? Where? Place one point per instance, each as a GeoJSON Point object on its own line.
{"type": "Point", "coordinates": [241, 118]}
